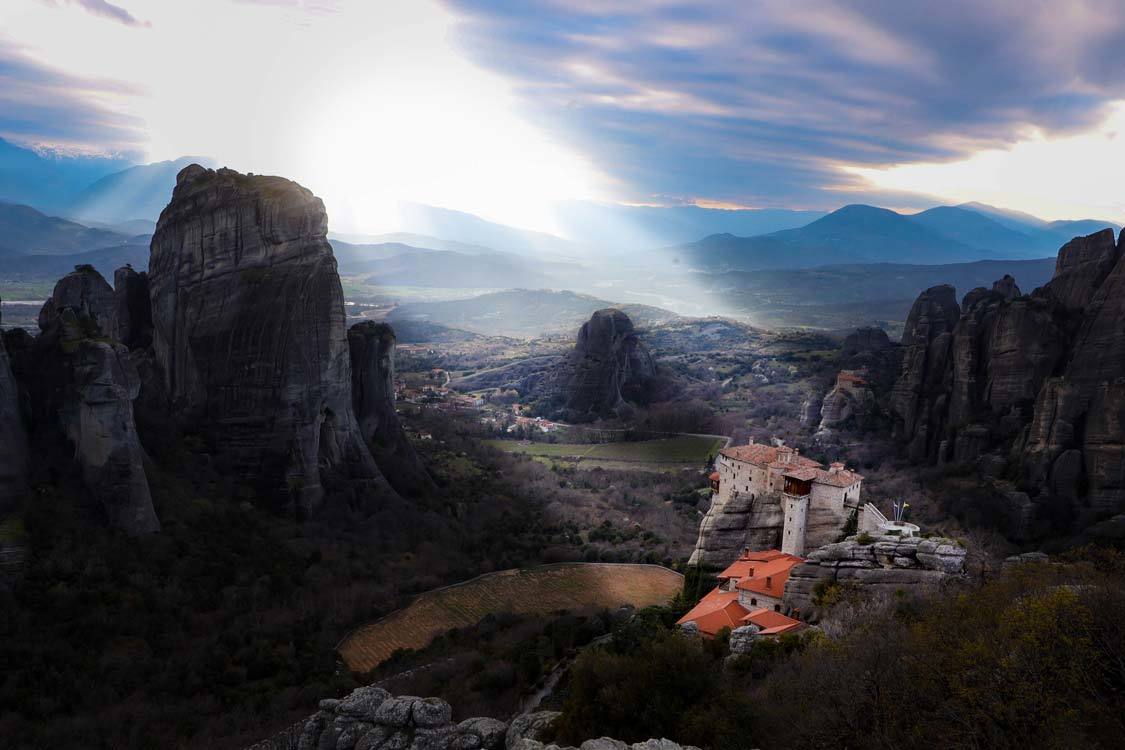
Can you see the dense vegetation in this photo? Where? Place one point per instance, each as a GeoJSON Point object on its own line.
{"type": "Point", "coordinates": [1033, 658]}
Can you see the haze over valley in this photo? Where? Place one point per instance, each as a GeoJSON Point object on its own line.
{"type": "Point", "coordinates": [469, 375]}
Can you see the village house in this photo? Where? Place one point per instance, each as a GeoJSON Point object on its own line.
{"type": "Point", "coordinates": [749, 593]}
{"type": "Point", "coordinates": [806, 488]}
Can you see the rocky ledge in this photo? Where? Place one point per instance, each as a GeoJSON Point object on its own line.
{"type": "Point", "coordinates": [873, 563]}
{"type": "Point", "coordinates": [370, 718]}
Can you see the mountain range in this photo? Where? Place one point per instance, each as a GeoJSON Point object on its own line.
{"type": "Point", "coordinates": [868, 234]}
{"type": "Point", "coordinates": [74, 205]}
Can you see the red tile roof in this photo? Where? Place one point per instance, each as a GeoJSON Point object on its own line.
{"type": "Point", "coordinates": [718, 610]}
{"type": "Point", "coordinates": [770, 622]}
{"type": "Point", "coordinates": [769, 577]}
{"type": "Point", "coordinates": [746, 562]}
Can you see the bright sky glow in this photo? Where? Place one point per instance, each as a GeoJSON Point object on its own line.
{"type": "Point", "coordinates": [367, 104]}
{"type": "Point", "coordinates": [504, 109]}
{"type": "Point", "coordinates": [1052, 178]}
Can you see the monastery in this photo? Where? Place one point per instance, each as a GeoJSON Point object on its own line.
{"type": "Point", "coordinates": [808, 493]}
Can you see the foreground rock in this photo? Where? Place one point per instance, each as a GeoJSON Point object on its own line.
{"type": "Point", "coordinates": [248, 330]}
{"type": "Point", "coordinates": [608, 368]}
{"type": "Point", "coordinates": [370, 718]}
{"type": "Point", "coordinates": [86, 381]}
{"type": "Point", "coordinates": [372, 347]}
{"type": "Point", "coordinates": [879, 563]}
{"type": "Point", "coordinates": [13, 436]}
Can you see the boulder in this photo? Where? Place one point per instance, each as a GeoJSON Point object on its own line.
{"type": "Point", "coordinates": [529, 727]}
{"type": "Point", "coordinates": [248, 331]}
{"type": "Point", "coordinates": [409, 723]}
{"type": "Point", "coordinates": [742, 639]}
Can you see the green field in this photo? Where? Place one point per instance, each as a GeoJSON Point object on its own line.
{"type": "Point", "coordinates": [682, 449]}
{"type": "Point", "coordinates": [542, 590]}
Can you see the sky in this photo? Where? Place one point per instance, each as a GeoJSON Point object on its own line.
{"type": "Point", "coordinates": [503, 108]}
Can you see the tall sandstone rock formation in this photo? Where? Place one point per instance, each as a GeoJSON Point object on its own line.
{"type": "Point", "coordinates": [249, 331]}
{"type": "Point", "coordinates": [86, 381]}
{"type": "Point", "coordinates": [13, 436]}
{"type": "Point", "coordinates": [1039, 375]}
{"type": "Point", "coordinates": [919, 397]}
{"type": "Point", "coordinates": [608, 368]}
{"type": "Point", "coordinates": [372, 347]}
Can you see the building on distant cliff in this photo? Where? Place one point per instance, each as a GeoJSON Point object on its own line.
{"type": "Point", "coordinates": [750, 592]}
{"type": "Point", "coordinates": [809, 494]}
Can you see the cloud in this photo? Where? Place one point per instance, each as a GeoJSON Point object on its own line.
{"type": "Point", "coordinates": [107, 10]}
{"type": "Point", "coordinates": [764, 102]}
{"type": "Point", "coordinates": [41, 105]}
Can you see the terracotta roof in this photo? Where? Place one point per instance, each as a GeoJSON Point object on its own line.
{"type": "Point", "coordinates": [718, 610]}
{"type": "Point", "coordinates": [767, 455]}
{"type": "Point", "coordinates": [714, 476]}
{"type": "Point", "coordinates": [770, 622]}
{"type": "Point", "coordinates": [746, 562]}
{"type": "Point", "coordinates": [769, 577]}
{"type": "Point", "coordinates": [841, 478]}
{"type": "Point", "coordinates": [755, 453]}
{"type": "Point", "coordinates": [850, 377]}
{"type": "Point", "coordinates": [803, 473]}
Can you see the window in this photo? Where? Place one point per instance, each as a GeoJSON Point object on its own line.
{"type": "Point", "coordinates": [777, 608]}
{"type": "Point", "coordinates": [753, 602]}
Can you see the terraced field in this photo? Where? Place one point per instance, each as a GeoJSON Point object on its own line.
{"type": "Point", "coordinates": [679, 449]}
{"type": "Point", "coordinates": [538, 590]}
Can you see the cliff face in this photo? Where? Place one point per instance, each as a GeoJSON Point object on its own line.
{"type": "Point", "coordinates": [730, 527]}
{"type": "Point", "coordinates": [608, 367]}
{"type": "Point", "coordinates": [372, 349]}
{"type": "Point", "coordinates": [919, 397]}
{"type": "Point", "coordinates": [1037, 375]}
{"type": "Point", "coordinates": [86, 381]}
{"type": "Point", "coordinates": [248, 330]}
{"type": "Point", "coordinates": [13, 436]}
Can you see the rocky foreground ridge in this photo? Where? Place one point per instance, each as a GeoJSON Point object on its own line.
{"type": "Point", "coordinates": [872, 564]}
{"type": "Point", "coordinates": [1029, 388]}
{"type": "Point", "coordinates": [370, 718]}
{"type": "Point", "coordinates": [236, 335]}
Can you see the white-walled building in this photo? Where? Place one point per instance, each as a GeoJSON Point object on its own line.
{"type": "Point", "coordinates": [810, 494]}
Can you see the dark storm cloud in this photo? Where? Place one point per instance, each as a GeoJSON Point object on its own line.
{"type": "Point", "coordinates": [758, 102]}
{"type": "Point", "coordinates": [42, 105]}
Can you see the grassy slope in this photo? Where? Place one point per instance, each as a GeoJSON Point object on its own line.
{"type": "Point", "coordinates": [538, 590]}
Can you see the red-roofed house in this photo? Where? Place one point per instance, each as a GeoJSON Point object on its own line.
{"type": "Point", "coordinates": [749, 592]}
